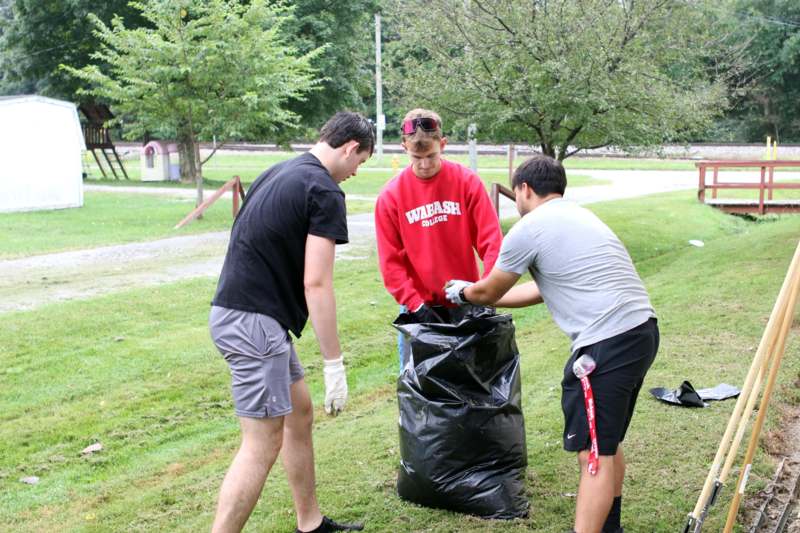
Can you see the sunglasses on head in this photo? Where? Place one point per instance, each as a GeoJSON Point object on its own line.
{"type": "Point", "coordinates": [424, 123]}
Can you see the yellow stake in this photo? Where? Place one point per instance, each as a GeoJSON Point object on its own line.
{"type": "Point", "coordinates": [769, 146]}
{"type": "Point", "coordinates": [395, 164]}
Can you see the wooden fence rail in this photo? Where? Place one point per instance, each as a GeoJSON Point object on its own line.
{"type": "Point", "coordinates": [765, 186]}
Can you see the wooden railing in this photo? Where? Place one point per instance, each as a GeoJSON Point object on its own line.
{"type": "Point", "coordinates": [497, 190]}
{"type": "Point", "coordinates": [96, 137]}
{"type": "Point", "coordinates": [234, 185]}
{"type": "Point", "coordinates": [765, 186]}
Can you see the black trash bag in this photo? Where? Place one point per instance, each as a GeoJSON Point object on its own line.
{"type": "Point", "coordinates": [687, 396]}
{"type": "Point", "coordinates": [462, 432]}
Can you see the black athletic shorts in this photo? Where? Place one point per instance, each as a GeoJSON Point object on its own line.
{"type": "Point", "coordinates": [622, 362]}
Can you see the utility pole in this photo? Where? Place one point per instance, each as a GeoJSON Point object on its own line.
{"type": "Point", "coordinates": [379, 116]}
{"type": "Point", "coordinates": [472, 132]}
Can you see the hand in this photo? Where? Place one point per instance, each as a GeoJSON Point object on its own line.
{"type": "Point", "coordinates": [453, 288]}
{"type": "Point", "coordinates": [335, 386]}
{"type": "Point", "coordinates": [425, 315]}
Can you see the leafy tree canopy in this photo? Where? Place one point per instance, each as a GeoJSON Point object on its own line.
{"type": "Point", "coordinates": [768, 101]}
{"type": "Point", "coordinates": [36, 36]}
{"type": "Point", "coordinates": [346, 64]}
{"type": "Point", "coordinates": [562, 74]}
{"type": "Point", "coordinates": [200, 68]}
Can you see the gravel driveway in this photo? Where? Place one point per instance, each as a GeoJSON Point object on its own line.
{"type": "Point", "coordinates": [33, 281]}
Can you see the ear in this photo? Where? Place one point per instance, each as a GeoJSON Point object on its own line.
{"type": "Point", "coordinates": [443, 143]}
{"type": "Point", "coordinates": [350, 147]}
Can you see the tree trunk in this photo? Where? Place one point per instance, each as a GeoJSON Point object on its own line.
{"type": "Point", "coordinates": [187, 173]}
{"type": "Point", "coordinates": [198, 174]}
{"type": "Point", "coordinates": [549, 149]}
{"type": "Point", "coordinates": [189, 154]}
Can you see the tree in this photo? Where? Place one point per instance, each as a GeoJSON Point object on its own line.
{"type": "Point", "coordinates": [565, 75]}
{"type": "Point", "coordinates": [206, 67]}
{"type": "Point", "coordinates": [345, 29]}
{"type": "Point", "coordinates": [36, 36]}
{"type": "Point", "coordinates": [768, 105]}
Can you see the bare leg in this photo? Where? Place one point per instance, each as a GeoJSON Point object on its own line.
{"type": "Point", "coordinates": [619, 471]}
{"type": "Point", "coordinates": [595, 494]}
{"type": "Point", "coordinates": [261, 443]}
{"type": "Point", "coordinates": [298, 458]}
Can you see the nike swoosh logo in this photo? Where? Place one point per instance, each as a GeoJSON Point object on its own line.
{"type": "Point", "coordinates": [570, 436]}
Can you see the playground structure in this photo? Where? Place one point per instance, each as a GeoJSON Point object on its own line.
{"type": "Point", "coordinates": [766, 186]}
{"type": "Point", "coordinates": [159, 161]}
{"type": "Point", "coordinates": [98, 137]}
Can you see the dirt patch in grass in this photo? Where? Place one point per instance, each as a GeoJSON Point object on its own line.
{"type": "Point", "coordinates": [765, 509]}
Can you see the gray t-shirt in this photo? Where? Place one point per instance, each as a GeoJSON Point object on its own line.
{"type": "Point", "coordinates": [583, 271]}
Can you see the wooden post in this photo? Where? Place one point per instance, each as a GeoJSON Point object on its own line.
{"type": "Point", "coordinates": [495, 196]}
{"type": "Point", "coordinates": [238, 191]}
{"type": "Point", "coordinates": [102, 170]}
{"type": "Point", "coordinates": [235, 206]}
{"type": "Point", "coordinates": [714, 190]}
{"type": "Point", "coordinates": [234, 185]}
{"type": "Point", "coordinates": [701, 186]}
{"type": "Point", "coordinates": [771, 176]}
{"type": "Point", "coordinates": [121, 166]}
{"type": "Point", "coordinates": [511, 150]}
{"type": "Point", "coordinates": [110, 164]}
{"type": "Point", "coordinates": [761, 192]}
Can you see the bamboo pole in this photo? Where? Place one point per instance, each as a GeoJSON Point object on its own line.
{"type": "Point", "coordinates": [762, 408]}
{"type": "Point", "coordinates": [712, 480]}
{"type": "Point", "coordinates": [748, 410]}
{"type": "Point", "coordinates": [750, 405]}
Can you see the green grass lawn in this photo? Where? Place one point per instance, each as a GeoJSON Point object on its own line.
{"type": "Point", "coordinates": [105, 218]}
{"type": "Point", "coordinates": [137, 372]}
{"type": "Point", "coordinates": [370, 179]}
{"type": "Point", "coordinates": [249, 165]}
{"type": "Point", "coordinates": [112, 218]}
{"type": "Point", "coordinates": [117, 218]}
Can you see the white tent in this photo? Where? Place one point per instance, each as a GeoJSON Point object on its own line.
{"type": "Point", "coordinates": [41, 145]}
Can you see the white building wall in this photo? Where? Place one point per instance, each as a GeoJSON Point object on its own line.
{"type": "Point", "coordinates": [41, 145]}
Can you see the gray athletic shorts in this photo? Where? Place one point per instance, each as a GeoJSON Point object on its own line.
{"type": "Point", "coordinates": [261, 358]}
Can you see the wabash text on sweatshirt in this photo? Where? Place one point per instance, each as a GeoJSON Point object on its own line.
{"type": "Point", "coordinates": [428, 231]}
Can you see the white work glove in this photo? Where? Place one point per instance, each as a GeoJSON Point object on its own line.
{"type": "Point", "coordinates": [335, 386]}
{"type": "Point", "coordinates": [453, 288]}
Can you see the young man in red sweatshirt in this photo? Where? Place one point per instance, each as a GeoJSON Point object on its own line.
{"type": "Point", "coordinates": [430, 220]}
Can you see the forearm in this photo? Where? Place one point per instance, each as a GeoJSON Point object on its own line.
{"type": "Point", "coordinates": [322, 311]}
{"type": "Point", "coordinates": [480, 294]}
{"type": "Point", "coordinates": [521, 296]}
{"type": "Point", "coordinates": [490, 289]}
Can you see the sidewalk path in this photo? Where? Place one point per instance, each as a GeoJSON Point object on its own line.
{"type": "Point", "coordinates": [33, 281]}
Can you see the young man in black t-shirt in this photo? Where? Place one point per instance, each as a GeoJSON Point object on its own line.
{"type": "Point", "coordinates": [278, 272]}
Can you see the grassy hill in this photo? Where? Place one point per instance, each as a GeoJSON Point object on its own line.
{"type": "Point", "coordinates": [137, 372]}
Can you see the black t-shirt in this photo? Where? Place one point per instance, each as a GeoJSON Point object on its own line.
{"type": "Point", "coordinates": [263, 269]}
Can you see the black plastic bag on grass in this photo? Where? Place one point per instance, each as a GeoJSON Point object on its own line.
{"type": "Point", "coordinates": [462, 432]}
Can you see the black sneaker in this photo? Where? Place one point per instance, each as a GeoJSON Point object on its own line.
{"type": "Point", "coordinates": [329, 525]}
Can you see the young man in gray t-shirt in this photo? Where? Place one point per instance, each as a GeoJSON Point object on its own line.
{"type": "Point", "coordinates": [585, 277]}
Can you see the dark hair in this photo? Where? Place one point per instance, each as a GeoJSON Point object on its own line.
{"type": "Point", "coordinates": [346, 126]}
{"type": "Point", "coordinates": [543, 174]}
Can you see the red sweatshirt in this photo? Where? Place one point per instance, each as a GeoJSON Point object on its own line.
{"type": "Point", "coordinates": [428, 231]}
